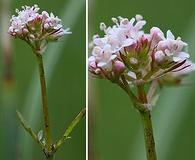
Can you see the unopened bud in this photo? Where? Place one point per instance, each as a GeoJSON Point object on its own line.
{"type": "Point", "coordinates": [119, 67]}
{"type": "Point", "coordinates": [133, 61]}
{"type": "Point", "coordinates": [115, 20]}
{"type": "Point", "coordinates": [102, 26]}
{"type": "Point", "coordinates": [138, 17]}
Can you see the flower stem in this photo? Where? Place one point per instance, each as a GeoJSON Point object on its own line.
{"type": "Point", "coordinates": [148, 136]}
{"type": "Point", "coordinates": [147, 125]}
{"type": "Point", "coordinates": [44, 102]}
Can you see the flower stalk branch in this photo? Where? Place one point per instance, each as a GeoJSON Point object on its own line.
{"type": "Point", "coordinates": [28, 128]}
{"type": "Point", "coordinates": [70, 128]}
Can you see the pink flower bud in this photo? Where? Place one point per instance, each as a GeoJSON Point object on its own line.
{"type": "Point", "coordinates": [118, 67]}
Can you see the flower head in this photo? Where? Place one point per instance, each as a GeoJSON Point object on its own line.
{"type": "Point", "coordinates": [36, 28]}
{"type": "Point", "coordinates": [141, 56]}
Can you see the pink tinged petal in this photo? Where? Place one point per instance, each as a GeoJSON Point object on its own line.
{"type": "Point", "coordinates": [157, 33]}
{"type": "Point", "coordinates": [159, 56]}
{"type": "Point", "coordinates": [177, 59]}
{"type": "Point", "coordinates": [98, 42]}
{"type": "Point", "coordinates": [128, 42]}
{"type": "Point", "coordinates": [101, 64]}
{"type": "Point", "coordinates": [107, 48]}
{"type": "Point", "coordinates": [46, 25]}
{"type": "Point", "coordinates": [139, 25]}
{"type": "Point", "coordinates": [91, 59]}
{"type": "Point", "coordinates": [45, 14]}
{"type": "Point", "coordinates": [132, 21]}
{"type": "Point", "coordinates": [168, 52]}
{"type": "Point", "coordinates": [91, 62]}
{"type": "Point", "coordinates": [179, 40]}
{"type": "Point", "coordinates": [10, 30]}
{"type": "Point", "coordinates": [67, 31]}
{"type": "Point", "coordinates": [183, 55]}
{"type": "Point", "coordinates": [97, 50]}
{"type": "Point", "coordinates": [170, 35]}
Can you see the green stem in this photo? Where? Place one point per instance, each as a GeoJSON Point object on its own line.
{"type": "Point", "coordinates": [147, 125]}
{"type": "Point", "coordinates": [148, 136]}
{"type": "Point", "coordinates": [27, 128]}
{"type": "Point", "coordinates": [44, 102]}
{"type": "Point", "coordinates": [51, 158]}
{"type": "Point", "coordinates": [70, 128]}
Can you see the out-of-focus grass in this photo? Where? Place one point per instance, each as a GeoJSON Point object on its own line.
{"type": "Point", "coordinates": [7, 87]}
{"type": "Point", "coordinates": [65, 72]}
{"type": "Point", "coordinates": [117, 130]}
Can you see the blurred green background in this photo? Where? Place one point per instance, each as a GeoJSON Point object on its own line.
{"type": "Point", "coordinates": [65, 73]}
{"type": "Point", "coordinates": [115, 127]}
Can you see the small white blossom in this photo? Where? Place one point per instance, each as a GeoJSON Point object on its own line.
{"type": "Point", "coordinates": [173, 48]}
{"type": "Point", "coordinates": [104, 57]}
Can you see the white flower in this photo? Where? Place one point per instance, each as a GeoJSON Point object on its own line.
{"type": "Point", "coordinates": [156, 35]}
{"type": "Point", "coordinates": [103, 57]}
{"type": "Point", "coordinates": [131, 28]}
{"type": "Point", "coordinates": [108, 39]}
{"type": "Point", "coordinates": [124, 33]}
{"type": "Point", "coordinates": [173, 48]}
{"type": "Point", "coordinates": [18, 23]}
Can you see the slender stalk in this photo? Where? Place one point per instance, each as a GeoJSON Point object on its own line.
{"type": "Point", "coordinates": [70, 128]}
{"type": "Point", "coordinates": [147, 125]}
{"type": "Point", "coordinates": [27, 128]}
{"type": "Point", "coordinates": [148, 136]}
{"type": "Point", "coordinates": [44, 102]}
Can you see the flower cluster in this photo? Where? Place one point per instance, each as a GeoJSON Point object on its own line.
{"type": "Point", "coordinates": [35, 28]}
{"type": "Point", "coordinates": [125, 49]}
